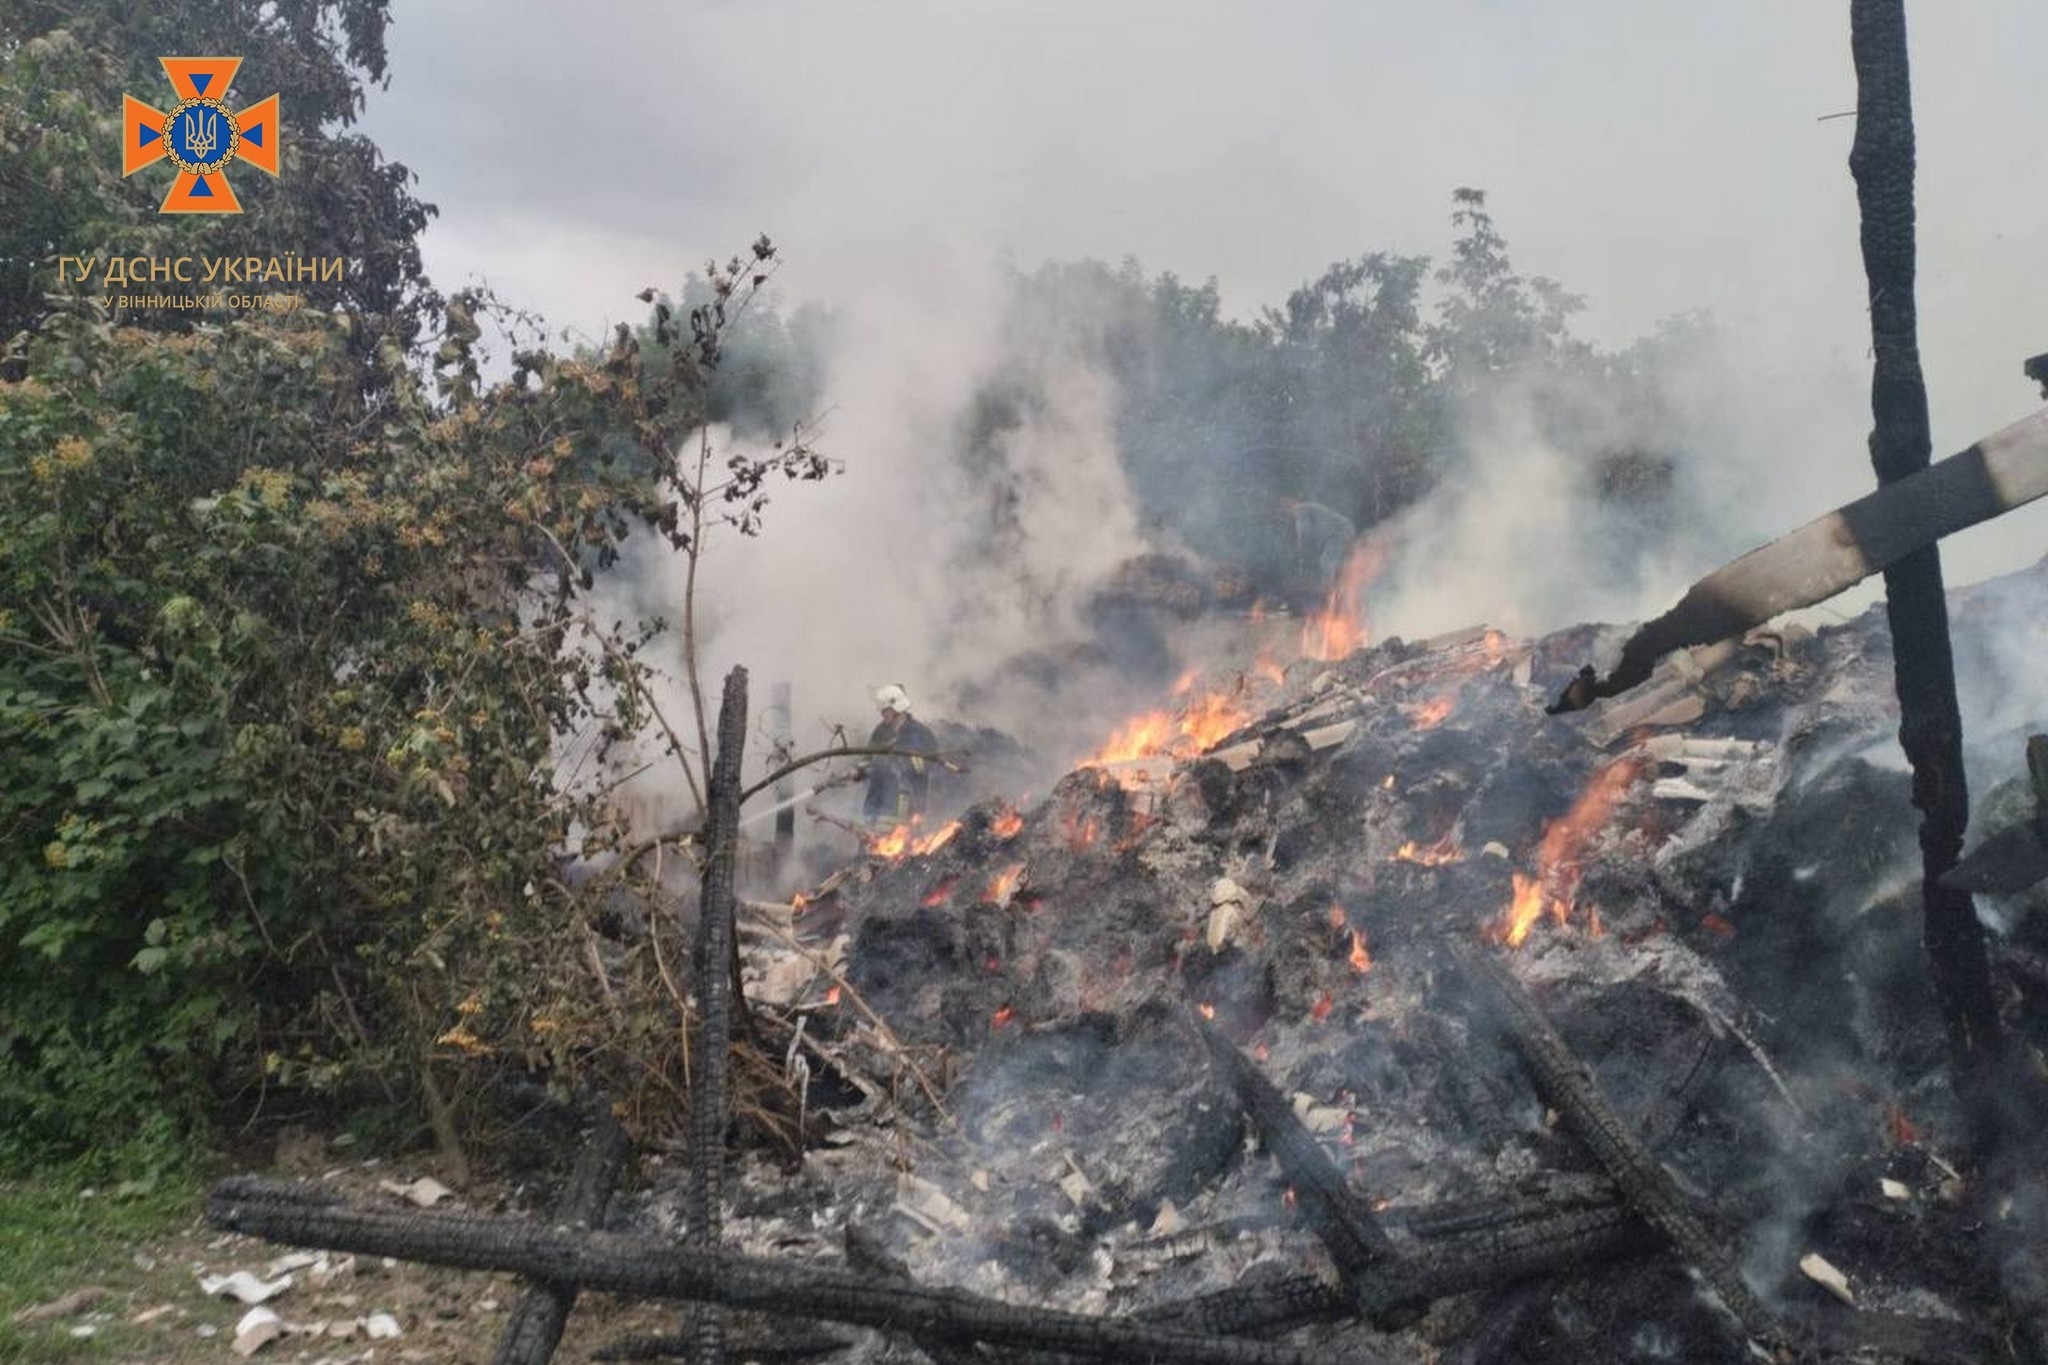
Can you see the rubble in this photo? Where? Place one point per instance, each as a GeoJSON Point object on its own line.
{"type": "Point", "coordinates": [1052, 1042]}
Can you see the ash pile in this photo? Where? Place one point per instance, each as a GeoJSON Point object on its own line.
{"type": "Point", "coordinates": [1412, 1023]}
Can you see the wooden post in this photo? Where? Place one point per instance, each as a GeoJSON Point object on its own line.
{"type": "Point", "coordinates": [1930, 721]}
{"type": "Point", "coordinates": [782, 733]}
{"type": "Point", "coordinates": [710, 1102]}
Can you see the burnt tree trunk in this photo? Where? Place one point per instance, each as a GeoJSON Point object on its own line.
{"type": "Point", "coordinates": [710, 1081]}
{"type": "Point", "coordinates": [1930, 722]}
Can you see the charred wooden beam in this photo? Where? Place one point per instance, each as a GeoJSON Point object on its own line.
{"type": "Point", "coordinates": [1357, 1244]}
{"type": "Point", "coordinates": [717, 971]}
{"type": "Point", "coordinates": [1930, 721]}
{"type": "Point", "coordinates": [762, 1340]}
{"type": "Point", "coordinates": [1568, 1087]}
{"type": "Point", "coordinates": [535, 1328]}
{"type": "Point", "coordinates": [642, 1267]}
{"type": "Point", "coordinates": [1835, 552]}
{"type": "Point", "coordinates": [1531, 1243]}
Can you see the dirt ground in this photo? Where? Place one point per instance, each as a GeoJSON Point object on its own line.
{"type": "Point", "coordinates": [144, 1303]}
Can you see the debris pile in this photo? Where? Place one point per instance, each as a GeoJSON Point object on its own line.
{"type": "Point", "coordinates": [1367, 1012]}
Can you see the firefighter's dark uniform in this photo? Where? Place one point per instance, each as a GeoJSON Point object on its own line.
{"type": "Point", "coordinates": [897, 784]}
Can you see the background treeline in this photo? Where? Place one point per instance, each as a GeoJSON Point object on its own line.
{"type": "Point", "coordinates": [1364, 390]}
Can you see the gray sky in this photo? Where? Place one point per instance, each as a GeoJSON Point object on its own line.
{"type": "Point", "coordinates": [1652, 155]}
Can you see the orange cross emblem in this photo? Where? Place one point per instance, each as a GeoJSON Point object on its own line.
{"type": "Point", "coordinates": [200, 136]}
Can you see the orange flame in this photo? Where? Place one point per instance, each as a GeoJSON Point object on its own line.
{"type": "Point", "coordinates": [1134, 830]}
{"type": "Point", "coordinates": [1185, 683]}
{"type": "Point", "coordinates": [1209, 718]}
{"type": "Point", "coordinates": [1430, 714]}
{"type": "Point", "coordinates": [1081, 833]}
{"type": "Point", "coordinates": [1005, 884]}
{"type": "Point", "coordinates": [1001, 1017]}
{"type": "Point", "coordinates": [1556, 882]}
{"type": "Point", "coordinates": [938, 894]}
{"type": "Point", "coordinates": [1208, 1010]}
{"type": "Point", "coordinates": [1143, 736]}
{"type": "Point", "coordinates": [1321, 1009]}
{"type": "Point", "coordinates": [936, 840]}
{"type": "Point", "coordinates": [893, 844]}
{"type": "Point", "coordinates": [1437, 854]}
{"type": "Point", "coordinates": [1007, 823]}
{"type": "Point", "coordinates": [1387, 783]}
{"type": "Point", "coordinates": [1523, 912]}
{"type": "Point", "coordinates": [904, 840]}
{"type": "Point", "coordinates": [832, 995]}
{"type": "Point", "coordinates": [1267, 670]}
{"type": "Point", "coordinates": [1339, 628]}
{"type": "Point", "coordinates": [797, 903]}
{"type": "Point", "coordinates": [1360, 959]}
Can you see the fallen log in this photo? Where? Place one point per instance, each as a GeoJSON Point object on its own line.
{"type": "Point", "coordinates": [535, 1328]}
{"type": "Point", "coordinates": [1525, 1243]}
{"type": "Point", "coordinates": [642, 1267]}
{"type": "Point", "coordinates": [1357, 1244]}
{"type": "Point", "coordinates": [765, 1341]}
{"type": "Point", "coordinates": [1568, 1087]}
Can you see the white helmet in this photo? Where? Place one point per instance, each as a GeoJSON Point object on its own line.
{"type": "Point", "coordinates": [892, 698]}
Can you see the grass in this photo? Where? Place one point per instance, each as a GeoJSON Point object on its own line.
{"type": "Point", "coordinates": [61, 1230]}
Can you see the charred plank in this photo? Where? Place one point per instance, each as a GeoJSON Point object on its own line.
{"type": "Point", "coordinates": [1357, 1243]}
{"type": "Point", "coordinates": [535, 1328]}
{"type": "Point", "coordinates": [1568, 1087]}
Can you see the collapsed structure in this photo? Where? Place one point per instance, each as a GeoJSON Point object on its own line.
{"type": "Point", "coordinates": [1590, 1037]}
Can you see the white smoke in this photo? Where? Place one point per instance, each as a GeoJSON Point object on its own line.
{"type": "Point", "coordinates": [902, 567]}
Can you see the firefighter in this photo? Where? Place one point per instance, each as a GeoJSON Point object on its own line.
{"type": "Point", "coordinates": [898, 783]}
{"type": "Point", "coordinates": [1323, 538]}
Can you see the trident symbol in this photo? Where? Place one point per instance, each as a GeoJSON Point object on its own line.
{"type": "Point", "coordinates": [202, 127]}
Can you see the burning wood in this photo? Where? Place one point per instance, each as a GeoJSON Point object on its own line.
{"type": "Point", "coordinates": [1555, 884]}
{"type": "Point", "coordinates": [1444, 850]}
{"type": "Point", "coordinates": [1004, 888]}
{"type": "Point", "coordinates": [1430, 714]}
{"type": "Point", "coordinates": [905, 840]}
{"type": "Point", "coordinates": [1338, 629]}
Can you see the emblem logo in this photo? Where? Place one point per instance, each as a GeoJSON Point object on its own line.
{"type": "Point", "coordinates": [200, 136]}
